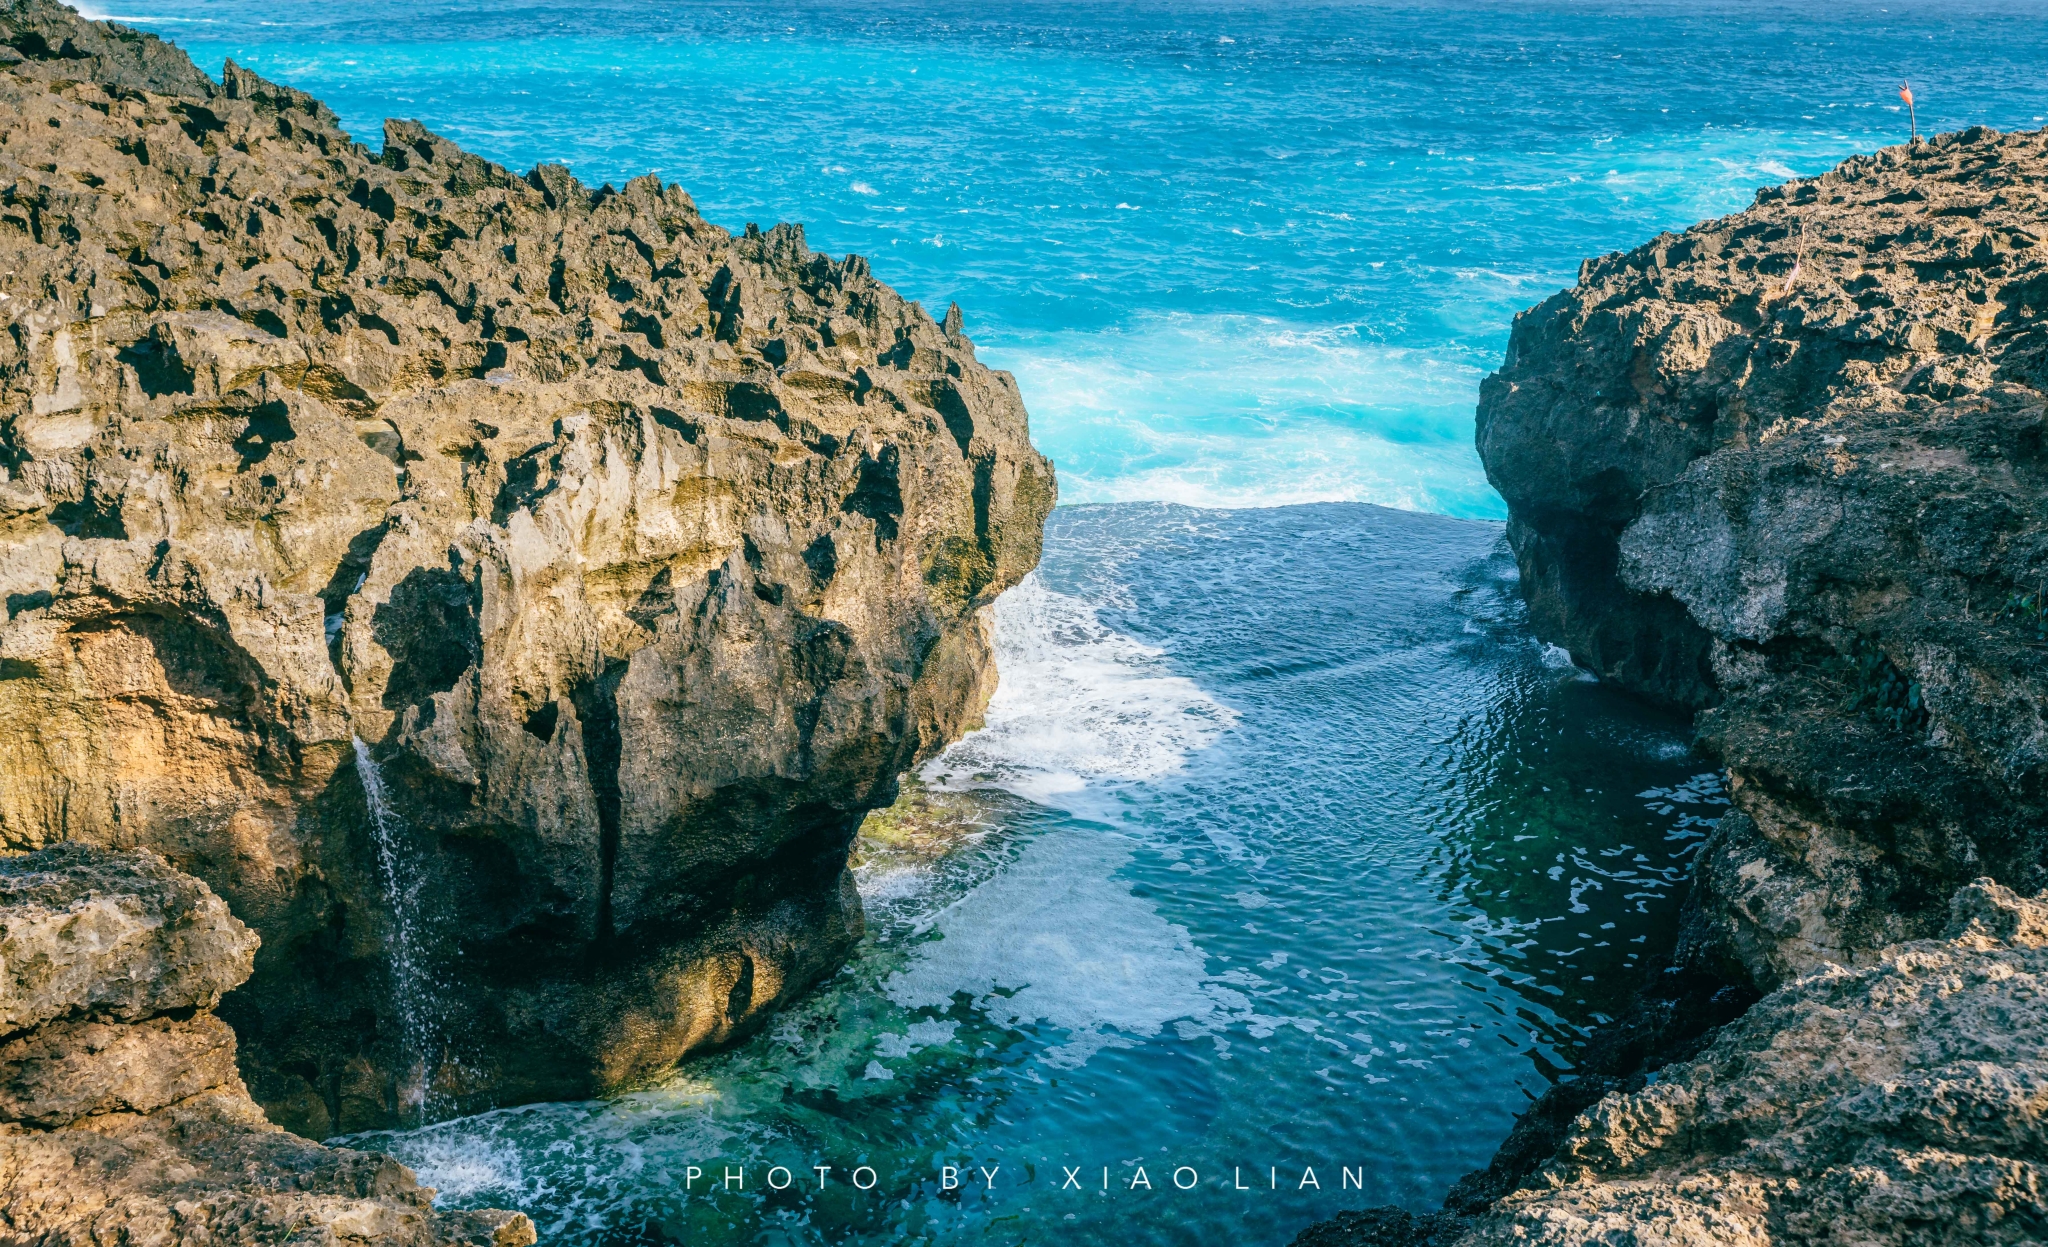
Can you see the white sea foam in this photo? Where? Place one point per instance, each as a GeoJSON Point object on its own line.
{"type": "Point", "coordinates": [1558, 658]}
{"type": "Point", "coordinates": [1239, 411]}
{"type": "Point", "coordinates": [462, 1166]}
{"type": "Point", "coordinates": [93, 12]}
{"type": "Point", "coordinates": [1078, 705]}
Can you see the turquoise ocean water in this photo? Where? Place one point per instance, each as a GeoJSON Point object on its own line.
{"type": "Point", "coordinates": [1290, 850]}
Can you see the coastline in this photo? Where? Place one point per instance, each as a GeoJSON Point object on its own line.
{"type": "Point", "coordinates": [509, 595]}
{"type": "Point", "coordinates": [1799, 500]}
{"type": "Point", "coordinates": [1731, 457]}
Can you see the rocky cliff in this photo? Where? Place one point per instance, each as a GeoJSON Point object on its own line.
{"type": "Point", "coordinates": [1904, 1101]}
{"type": "Point", "coordinates": [122, 1119]}
{"type": "Point", "coordinates": [507, 595]}
{"type": "Point", "coordinates": [1789, 466]}
{"type": "Point", "coordinates": [1787, 469]}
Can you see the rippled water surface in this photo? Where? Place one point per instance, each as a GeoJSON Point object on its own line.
{"type": "Point", "coordinates": [1287, 865]}
{"type": "Point", "coordinates": [1284, 849]}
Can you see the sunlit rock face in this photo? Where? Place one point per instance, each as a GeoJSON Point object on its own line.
{"type": "Point", "coordinates": [121, 1116]}
{"type": "Point", "coordinates": [1786, 469]}
{"type": "Point", "coordinates": [508, 596]}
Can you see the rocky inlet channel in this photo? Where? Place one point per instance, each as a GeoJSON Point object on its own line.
{"type": "Point", "coordinates": [456, 622]}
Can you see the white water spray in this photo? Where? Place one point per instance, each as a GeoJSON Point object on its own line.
{"type": "Point", "coordinates": [1080, 706]}
{"type": "Point", "coordinates": [411, 984]}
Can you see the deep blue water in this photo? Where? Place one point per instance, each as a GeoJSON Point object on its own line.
{"type": "Point", "coordinates": [1285, 847]}
{"type": "Point", "coordinates": [1292, 854]}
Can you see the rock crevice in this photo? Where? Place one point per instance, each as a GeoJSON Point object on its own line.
{"type": "Point", "coordinates": [1813, 431]}
{"type": "Point", "coordinates": [122, 1118]}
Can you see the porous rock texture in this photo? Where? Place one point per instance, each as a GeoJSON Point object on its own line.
{"type": "Point", "coordinates": [639, 558]}
{"type": "Point", "coordinates": [122, 1119]}
{"type": "Point", "coordinates": [1902, 1101]}
{"type": "Point", "coordinates": [1787, 470]}
{"type": "Point", "coordinates": [1812, 503]}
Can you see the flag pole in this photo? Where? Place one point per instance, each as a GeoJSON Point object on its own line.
{"type": "Point", "coordinates": [1912, 115]}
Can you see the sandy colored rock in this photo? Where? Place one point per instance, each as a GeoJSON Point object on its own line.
{"type": "Point", "coordinates": [126, 1127]}
{"type": "Point", "coordinates": [120, 935]}
{"type": "Point", "coordinates": [211, 1169]}
{"type": "Point", "coordinates": [59, 1073]}
{"type": "Point", "coordinates": [640, 556]}
{"type": "Point", "coordinates": [1905, 1101]}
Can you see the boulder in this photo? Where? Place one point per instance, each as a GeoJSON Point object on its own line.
{"type": "Point", "coordinates": [125, 1121]}
{"type": "Point", "coordinates": [119, 935]}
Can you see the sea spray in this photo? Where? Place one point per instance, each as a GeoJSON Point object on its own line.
{"type": "Point", "coordinates": [1079, 705]}
{"type": "Point", "coordinates": [1352, 865]}
{"type": "Point", "coordinates": [399, 872]}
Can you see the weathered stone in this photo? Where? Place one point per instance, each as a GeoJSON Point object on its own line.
{"type": "Point", "coordinates": [140, 1131]}
{"type": "Point", "coordinates": [58, 1073]}
{"type": "Point", "coordinates": [1787, 469]}
{"type": "Point", "coordinates": [1813, 503]}
{"type": "Point", "coordinates": [210, 1169]}
{"type": "Point", "coordinates": [1905, 1101]}
{"type": "Point", "coordinates": [641, 557]}
{"type": "Point", "coordinates": [118, 935]}
{"type": "Point", "coordinates": [103, 52]}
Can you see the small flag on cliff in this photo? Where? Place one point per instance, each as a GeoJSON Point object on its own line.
{"type": "Point", "coordinates": [1906, 94]}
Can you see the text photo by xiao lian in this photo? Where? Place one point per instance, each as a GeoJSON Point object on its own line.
{"type": "Point", "coordinates": [714, 1177]}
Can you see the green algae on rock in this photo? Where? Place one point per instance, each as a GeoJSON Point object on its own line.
{"type": "Point", "coordinates": [638, 558]}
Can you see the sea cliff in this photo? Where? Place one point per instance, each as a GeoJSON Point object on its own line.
{"type": "Point", "coordinates": [1786, 471]}
{"type": "Point", "coordinates": [507, 595]}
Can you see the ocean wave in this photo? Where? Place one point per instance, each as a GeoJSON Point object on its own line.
{"type": "Point", "coordinates": [1242, 411]}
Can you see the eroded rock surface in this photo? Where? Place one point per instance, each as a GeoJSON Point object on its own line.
{"type": "Point", "coordinates": [640, 557]}
{"type": "Point", "coordinates": [1787, 469]}
{"type": "Point", "coordinates": [1813, 502]}
{"type": "Point", "coordinates": [122, 1119]}
{"type": "Point", "coordinates": [1904, 1101]}
{"type": "Point", "coordinates": [102, 936]}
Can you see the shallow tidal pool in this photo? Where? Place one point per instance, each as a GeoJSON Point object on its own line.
{"type": "Point", "coordinates": [1286, 869]}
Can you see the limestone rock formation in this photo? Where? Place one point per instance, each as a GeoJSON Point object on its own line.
{"type": "Point", "coordinates": [1905, 1101]}
{"type": "Point", "coordinates": [106, 937]}
{"type": "Point", "coordinates": [1787, 469]}
{"type": "Point", "coordinates": [1812, 501]}
{"type": "Point", "coordinates": [121, 1116]}
{"type": "Point", "coordinates": [508, 596]}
